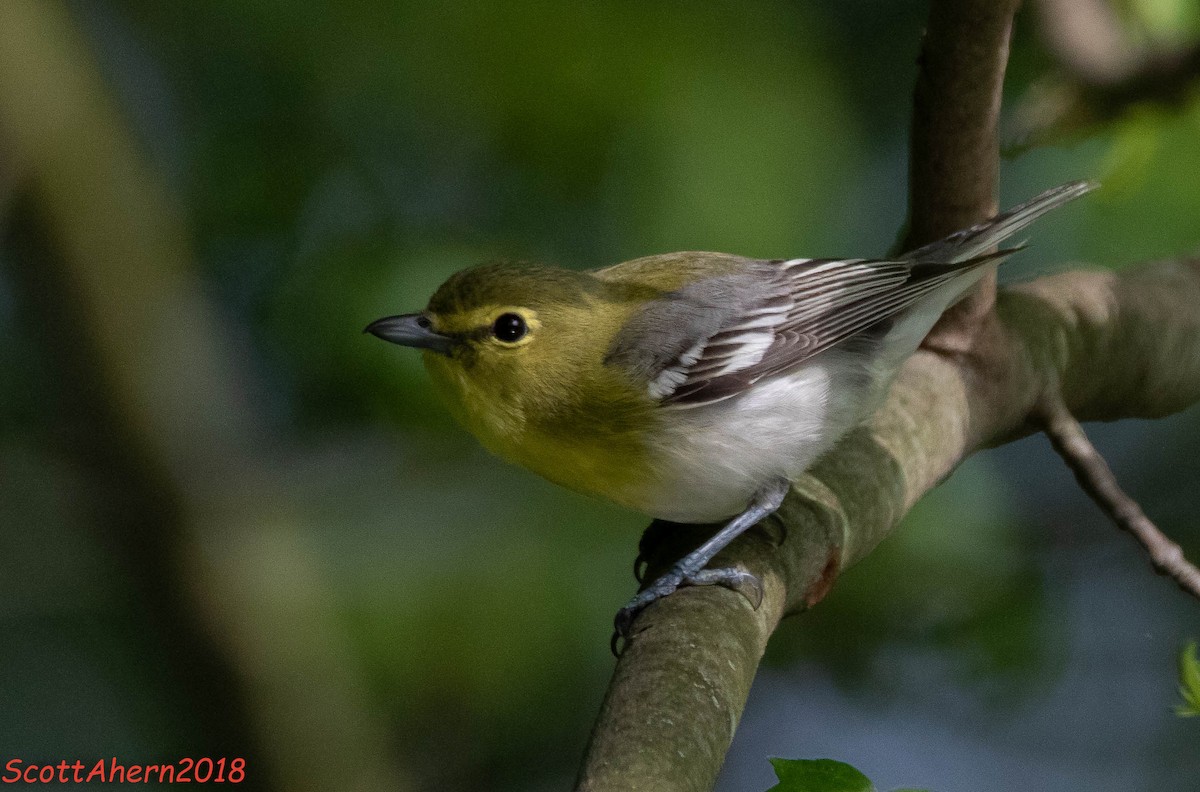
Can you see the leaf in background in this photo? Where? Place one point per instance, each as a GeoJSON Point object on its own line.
{"type": "Point", "coordinates": [818, 775]}
{"type": "Point", "coordinates": [821, 775]}
{"type": "Point", "coordinates": [1189, 682]}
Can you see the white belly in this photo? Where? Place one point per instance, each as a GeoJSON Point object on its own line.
{"type": "Point", "coordinates": [714, 458]}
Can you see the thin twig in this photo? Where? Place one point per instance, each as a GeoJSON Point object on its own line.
{"type": "Point", "coordinates": [1098, 481]}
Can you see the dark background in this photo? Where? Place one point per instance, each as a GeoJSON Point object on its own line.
{"type": "Point", "coordinates": [232, 525]}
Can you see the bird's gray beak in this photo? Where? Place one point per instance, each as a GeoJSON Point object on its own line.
{"type": "Point", "coordinates": [411, 330]}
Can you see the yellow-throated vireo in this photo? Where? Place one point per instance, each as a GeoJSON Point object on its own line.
{"type": "Point", "coordinates": [689, 386]}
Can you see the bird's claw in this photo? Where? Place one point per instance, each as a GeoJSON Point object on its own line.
{"type": "Point", "coordinates": [639, 568]}
{"type": "Point", "coordinates": [737, 580]}
{"type": "Point", "coordinates": [749, 586]}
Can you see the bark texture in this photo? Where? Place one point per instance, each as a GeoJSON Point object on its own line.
{"type": "Point", "coordinates": [1122, 346]}
{"type": "Point", "coordinates": [954, 160]}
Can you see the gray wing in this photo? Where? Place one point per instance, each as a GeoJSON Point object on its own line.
{"type": "Point", "coordinates": [806, 307]}
{"type": "Point", "coordinates": [716, 338]}
{"type": "Point", "coordinates": [659, 343]}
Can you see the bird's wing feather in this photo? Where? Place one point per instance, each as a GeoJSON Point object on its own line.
{"type": "Point", "coordinates": [976, 240]}
{"type": "Point", "coordinates": [799, 292]}
{"type": "Point", "coordinates": [814, 305]}
{"type": "Point", "coordinates": [716, 337]}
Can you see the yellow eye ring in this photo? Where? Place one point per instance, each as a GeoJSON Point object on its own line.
{"type": "Point", "coordinates": [513, 327]}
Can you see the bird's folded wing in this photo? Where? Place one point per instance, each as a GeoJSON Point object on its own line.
{"type": "Point", "coordinates": [716, 337]}
{"type": "Point", "coordinates": [812, 304]}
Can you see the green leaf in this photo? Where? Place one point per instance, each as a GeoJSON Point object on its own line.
{"type": "Point", "coordinates": [821, 775]}
{"type": "Point", "coordinates": [818, 775]}
{"type": "Point", "coordinates": [1189, 682]}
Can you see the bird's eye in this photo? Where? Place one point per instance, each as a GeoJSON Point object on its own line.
{"type": "Point", "coordinates": [509, 327]}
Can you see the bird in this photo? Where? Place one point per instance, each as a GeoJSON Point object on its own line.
{"type": "Point", "coordinates": [693, 387]}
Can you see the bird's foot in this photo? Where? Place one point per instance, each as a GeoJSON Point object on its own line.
{"type": "Point", "coordinates": [738, 580]}
{"type": "Point", "coordinates": [690, 570]}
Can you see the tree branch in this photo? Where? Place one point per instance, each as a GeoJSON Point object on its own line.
{"type": "Point", "coordinates": [1121, 346]}
{"type": "Point", "coordinates": [1098, 481]}
{"type": "Point", "coordinates": [955, 149]}
{"type": "Point", "coordinates": [680, 687]}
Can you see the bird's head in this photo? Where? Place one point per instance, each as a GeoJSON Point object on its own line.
{"type": "Point", "coordinates": [510, 343]}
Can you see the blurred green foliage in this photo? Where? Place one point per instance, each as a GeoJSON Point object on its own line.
{"type": "Point", "coordinates": [335, 162]}
{"type": "Point", "coordinates": [1189, 682]}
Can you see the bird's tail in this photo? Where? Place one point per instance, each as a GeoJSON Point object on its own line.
{"type": "Point", "coordinates": [978, 239]}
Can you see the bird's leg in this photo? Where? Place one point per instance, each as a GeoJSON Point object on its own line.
{"type": "Point", "coordinates": [690, 571]}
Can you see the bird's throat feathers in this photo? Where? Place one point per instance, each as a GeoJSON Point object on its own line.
{"type": "Point", "coordinates": [552, 404]}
